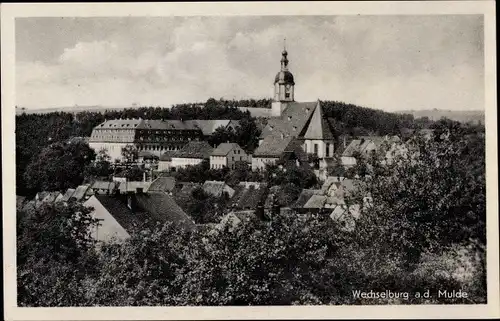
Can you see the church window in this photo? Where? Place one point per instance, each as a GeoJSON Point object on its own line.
{"type": "Point", "coordinates": [327, 149]}
{"type": "Point", "coordinates": [316, 149]}
{"type": "Point", "coordinates": [287, 95]}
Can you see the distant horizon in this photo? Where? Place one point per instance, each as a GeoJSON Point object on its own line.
{"type": "Point", "coordinates": [382, 62]}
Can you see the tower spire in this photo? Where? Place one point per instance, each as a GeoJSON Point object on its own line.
{"type": "Point", "coordinates": [284, 59]}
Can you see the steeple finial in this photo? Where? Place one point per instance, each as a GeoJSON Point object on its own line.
{"type": "Point", "coordinates": [284, 44]}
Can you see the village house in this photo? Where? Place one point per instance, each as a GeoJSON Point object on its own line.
{"type": "Point", "coordinates": [227, 155]}
{"type": "Point", "coordinates": [217, 189]}
{"type": "Point", "coordinates": [191, 154]}
{"type": "Point", "coordinates": [121, 215]}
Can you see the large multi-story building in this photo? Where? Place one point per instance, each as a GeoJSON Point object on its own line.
{"type": "Point", "coordinates": [153, 136]}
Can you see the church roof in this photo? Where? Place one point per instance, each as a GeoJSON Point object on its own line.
{"type": "Point", "coordinates": [292, 121]}
{"type": "Point", "coordinates": [318, 128]}
{"type": "Point", "coordinates": [273, 146]}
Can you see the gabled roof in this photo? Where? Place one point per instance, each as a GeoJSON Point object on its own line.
{"type": "Point", "coordinates": [318, 127]}
{"type": "Point", "coordinates": [224, 148]}
{"type": "Point", "coordinates": [68, 194]}
{"type": "Point", "coordinates": [167, 156]}
{"type": "Point", "coordinates": [51, 197]}
{"type": "Point", "coordinates": [248, 195]}
{"type": "Point", "coordinates": [208, 126]}
{"type": "Point", "coordinates": [132, 186]}
{"type": "Point", "coordinates": [316, 201]}
{"type": "Point", "coordinates": [120, 123]}
{"type": "Point", "coordinates": [216, 188]}
{"type": "Point", "coordinates": [304, 196]}
{"type": "Point", "coordinates": [80, 192]}
{"type": "Point", "coordinates": [162, 207]}
{"type": "Point", "coordinates": [121, 213]}
{"type": "Point", "coordinates": [170, 124]}
{"type": "Point", "coordinates": [162, 184]}
{"type": "Point", "coordinates": [273, 145]}
{"type": "Point", "coordinates": [20, 201]}
{"type": "Point", "coordinates": [105, 185]}
{"type": "Point", "coordinates": [194, 149]}
{"type": "Point", "coordinates": [292, 120]}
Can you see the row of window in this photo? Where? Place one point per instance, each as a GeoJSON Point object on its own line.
{"type": "Point", "coordinates": [157, 147]}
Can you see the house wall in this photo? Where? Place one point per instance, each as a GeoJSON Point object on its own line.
{"type": "Point", "coordinates": [322, 146]}
{"type": "Point", "coordinates": [218, 162]}
{"type": "Point", "coordinates": [236, 155]}
{"type": "Point", "coordinates": [178, 162]}
{"type": "Point", "coordinates": [164, 165]}
{"type": "Point", "coordinates": [348, 161]}
{"type": "Point", "coordinates": [109, 228]}
{"type": "Point", "coordinates": [260, 162]}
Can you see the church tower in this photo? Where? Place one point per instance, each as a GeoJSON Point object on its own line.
{"type": "Point", "coordinates": [283, 86]}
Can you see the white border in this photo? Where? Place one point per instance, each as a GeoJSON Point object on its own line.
{"type": "Point", "coordinates": [10, 11]}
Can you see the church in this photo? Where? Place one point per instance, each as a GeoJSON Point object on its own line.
{"type": "Point", "coordinates": [291, 124]}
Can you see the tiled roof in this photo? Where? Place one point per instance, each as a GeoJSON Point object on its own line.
{"type": "Point", "coordinates": [162, 184]}
{"type": "Point", "coordinates": [216, 188]}
{"type": "Point", "coordinates": [51, 197]}
{"type": "Point", "coordinates": [105, 185]}
{"type": "Point", "coordinates": [167, 156]}
{"type": "Point", "coordinates": [170, 124]}
{"type": "Point", "coordinates": [273, 145]}
{"type": "Point", "coordinates": [189, 187]}
{"type": "Point", "coordinates": [41, 195]}
{"type": "Point", "coordinates": [208, 126]}
{"type": "Point", "coordinates": [224, 148]}
{"type": "Point", "coordinates": [248, 196]}
{"type": "Point", "coordinates": [121, 123]}
{"type": "Point", "coordinates": [68, 194]}
{"type": "Point", "coordinates": [194, 149]}
{"type": "Point", "coordinates": [292, 120]}
{"type": "Point", "coordinates": [121, 213]}
{"type": "Point", "coordinates": [163, 208]}
{"type": "Point", "coordinates": [132, 186]}
{"type": "Point", "coordinates": [304, 196]}
{"type": "Point", "coordinates": [80, 192]}
{"type": "Point", "coordinates": [20, 201]}
{"type": "Point", "coordinates": [316, 201]}
{"type": "Point", "coordinates": [319, 127]}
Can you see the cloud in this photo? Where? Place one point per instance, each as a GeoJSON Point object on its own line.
{"type": "Point", "coordinates": [388, 63]}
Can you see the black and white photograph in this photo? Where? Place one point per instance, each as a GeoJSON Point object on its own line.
{"type": "Point", "coordinates": [250, 159]}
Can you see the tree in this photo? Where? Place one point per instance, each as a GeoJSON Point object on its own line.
{"type": "Point", "coordinates": [100, 168]}
{"type": "Point", "coordinates": [247, 134]}
{"type": "Point", "coordinates": [55, 251]}
{"type": "Point", "coordinates": [130, 154]}
{"type": "Point", "coordinates": [59, 166]}
{"type": "Point", "coordinates": [222, 135]}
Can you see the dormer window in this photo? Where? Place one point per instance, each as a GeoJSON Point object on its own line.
{"type": "Point", "coordinates": [307, 110]}
{"type": "Point", "coordinates": [289, 118]}
{"type": "Point", "coordinates": [294, 128]}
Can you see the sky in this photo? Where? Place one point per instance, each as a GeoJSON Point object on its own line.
{"type": "Point", "coordinates": [385, 62]}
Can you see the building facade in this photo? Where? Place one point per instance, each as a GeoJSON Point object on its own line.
{"type": "Point", "coordinates": [227, 155]}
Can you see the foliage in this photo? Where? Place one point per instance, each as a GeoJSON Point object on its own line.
{"type": "Point", "coordinates": [54, 253]}
{"type": "Point", "coordinates": [100, 168]}
{"type": "Point", "coordinates": [59, 166]}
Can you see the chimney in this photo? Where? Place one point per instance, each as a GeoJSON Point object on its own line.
{"type": "Point", "coordinates": [144, 176]}
{"type": "Point", "coordinates": [345, 142]}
